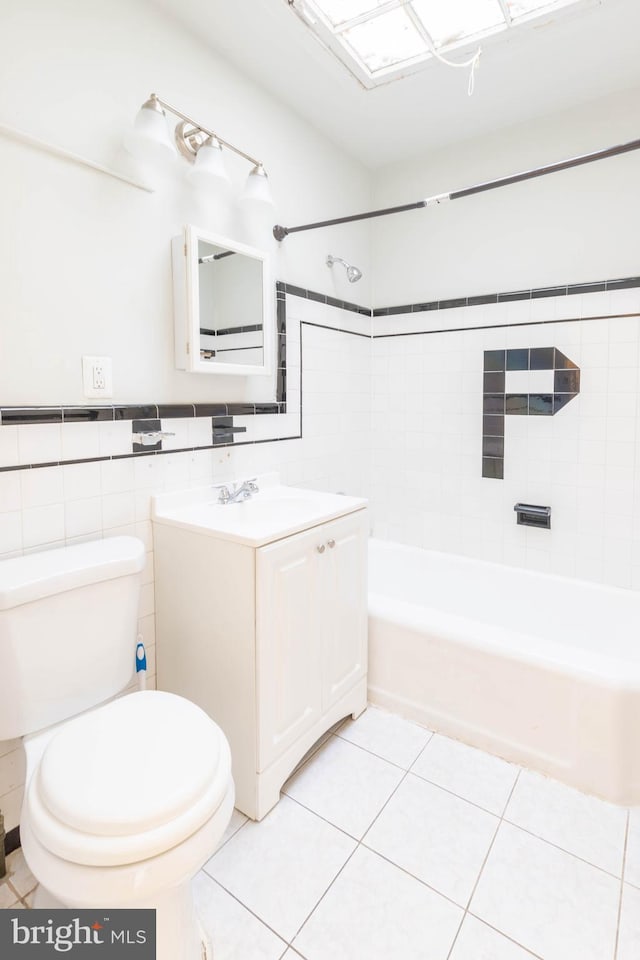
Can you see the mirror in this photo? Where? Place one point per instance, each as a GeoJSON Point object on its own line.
{"type": "Point", "coordinates": [222, 302]}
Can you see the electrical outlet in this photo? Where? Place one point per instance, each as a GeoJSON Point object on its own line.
{"type": "Point", "coordinates": [97, 378]}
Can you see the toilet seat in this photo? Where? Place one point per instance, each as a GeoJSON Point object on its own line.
{"type": "Point", "coordinates": [129, 780]}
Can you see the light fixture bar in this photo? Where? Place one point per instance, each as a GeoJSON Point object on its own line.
{"type": "Point", "coordinates": [205, 130]}
{"type": "Point", "coordinates": [281, 232]}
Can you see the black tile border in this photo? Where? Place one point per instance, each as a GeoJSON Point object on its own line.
{"type": "Point", "coordinates": [535, 293]}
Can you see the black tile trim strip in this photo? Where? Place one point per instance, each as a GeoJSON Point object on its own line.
{"type": "Point", "coordinates": [324, 326]}
{"type": "Point", "coordinates": [323, 298]}
{"type": "Point", "coordinates": [535, 293]}
{"type": "Point", "coordinates": [504, 326]}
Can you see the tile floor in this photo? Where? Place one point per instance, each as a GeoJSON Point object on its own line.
{"type": "Point", "coordinates": [392, 842]}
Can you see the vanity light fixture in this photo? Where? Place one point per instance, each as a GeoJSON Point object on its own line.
{"type": "Point", "coordinates": [201, 147]}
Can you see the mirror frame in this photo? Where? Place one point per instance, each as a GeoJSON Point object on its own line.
{"type": "Point", "coordinates": [186, 304]}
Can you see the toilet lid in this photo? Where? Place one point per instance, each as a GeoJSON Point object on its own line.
{"type": "Point", "coordinates": [136, 775]}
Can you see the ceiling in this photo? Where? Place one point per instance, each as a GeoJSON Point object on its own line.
{"type": "Point", "coordinates": [539, 69]}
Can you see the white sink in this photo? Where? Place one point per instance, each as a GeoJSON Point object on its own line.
{"type": "Point", "coordinates": [276, 511]}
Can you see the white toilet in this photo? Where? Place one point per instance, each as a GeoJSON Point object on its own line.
{"type": "Point", "coordinates": [124, 802]}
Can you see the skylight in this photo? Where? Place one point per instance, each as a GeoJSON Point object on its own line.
{"type": "Point", "coordinates": [379, 40]}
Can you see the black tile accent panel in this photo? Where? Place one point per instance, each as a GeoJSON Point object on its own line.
{"type": "Point", "coordinates": [496, 405]}
{"type": "Point", "coordinates": [224, 431]}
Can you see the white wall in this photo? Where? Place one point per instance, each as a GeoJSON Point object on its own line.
{"type": "Point", "coordinates": [568, 227]}
{"type": "Point", "coordinates": [84, 259]}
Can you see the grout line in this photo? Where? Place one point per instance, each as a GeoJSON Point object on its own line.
{"type": "Point", "coordinates": [378, 756]}
{"type": "Point", "coordinates": [324, 819]}
{"type": "Point", "coordinates": [248, 909]}
{"type": "Point", "coordinates": [569, 853]}
{"type": "Point", "coordinates": [505, 935]}
{"type": "Point", "coordinates": [624, 863]}
{"type": "Point", "coordinates": [318, 902]}
{"type": "Point", "coordinates": [484, 862]}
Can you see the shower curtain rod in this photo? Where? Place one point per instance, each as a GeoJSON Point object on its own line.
{"type": "Point", "coordinates": [281, 232]}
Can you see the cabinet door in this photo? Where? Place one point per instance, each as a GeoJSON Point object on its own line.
{"type": "Point", "coordinates": [343, 570]}
{"type": "Point", "coordinates": [288, 661]}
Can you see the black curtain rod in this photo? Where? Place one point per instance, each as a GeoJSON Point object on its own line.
{"type": "Point", "coordinates": [280, 232]}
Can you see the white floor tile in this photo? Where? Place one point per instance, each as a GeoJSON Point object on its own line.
{"type": "Point", "coordinates": [234, 932]}
{"type": "Point", "coordinates": [470, 773]}
{"type": "Point", "coordinates": [437, 837]}
{"type": "Point", "coordinates": [477, 941]}
{"type": "Point", "coordinates": [345, 785]}
{"type": "Point", "coordinates": [386, 735]}
{"type": "Point", "coordinates": [7, 896]}
{"type": "Point", "coordinates": [629, 937]}
{"type": "Point", "coordinates": [632, 867]}
{"type": "Point", "coordinates": [279, 868]}
{"type": "Point", "coordinates": [21, 877]}
{"type": "Point", "coordinates": [547, 900]}
{"type": "Point", "coordinates": [237, 820]}
{"type": "Point", "coordinates": [374, 911]}
{"type": "Point", "coordinates": [582, 825]}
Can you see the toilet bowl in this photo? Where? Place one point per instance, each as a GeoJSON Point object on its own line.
{"type": "Point", "coordinates": [125, 801]}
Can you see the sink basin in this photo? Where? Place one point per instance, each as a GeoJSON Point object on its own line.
{"type": "Point", "coordinates": [276, 511]}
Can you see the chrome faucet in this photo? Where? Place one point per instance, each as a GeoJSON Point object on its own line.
{"type": "Point", "coordinates": [238, 491]}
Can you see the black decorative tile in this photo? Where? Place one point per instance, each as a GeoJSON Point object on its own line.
{"type": "Point", "coordinates": [493, 426]}
{"type": "Point", "coordinates": [493, 447]}
{"type": "Point", "coordinates": [318, 297]}
{"type": "Point", "coordinates": [514, 295]}
{"type": "Point", "coordinates": [586, 288]}
{"type": "Point", "coordinates": [540, 292]}
{"type": "Point", "coordinates": [494, 382]}
{"type": "Point", "coordinates": [566, 381]}
{"type": "Point", "coordinates": [518, 359]}
{"type": "Point", "coordinates": [493, 403]}
{"type": "Point", "coordinates": [560, 400]}
{"type": "Point", "coordinates": [87, 414]}
{"type": "Point", "coordinates": [541, 404]}
{"type": "Point", "coordinates": [296, 291]}
{"type": "Point", "coordinates": [625, 284]}
{"type": "Point", "coordinates": [517, 404]}
{"type": "Point", "coordinates": [542, 358]}
{"type": "Point", "coordinates": [182, 410]}
{"type": "Point", "coordinates": [493, 468]}
{"type": "Point", "coordinates": [135, 411]}
{"type": "Point", "coordinates": [494, 360]}
{"type": "Point", "coordinates": [262, 408]}
{"type": "Point", "coordinates": [425, 307]}
{"type": "Point", "coordinates": [145, 426]}
{"type": "Point", "coordinates": [450, 304]}
{"type": "Point", "coordinates": [21, 416]}
{"type": "Point", "coordinates": [211, 409]}
{"type": "Point", "coordinates": [241, 409]}
{"type": "Point", "coordinates": [483, 298]}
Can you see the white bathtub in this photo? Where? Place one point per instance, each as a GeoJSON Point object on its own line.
{"type": "Point", "coordinates": [538, 669]}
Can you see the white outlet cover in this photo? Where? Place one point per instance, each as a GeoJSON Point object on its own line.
{"type": "Point", "coordinates": [89, 365]}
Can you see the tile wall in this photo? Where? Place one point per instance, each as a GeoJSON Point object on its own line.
{"type": "Point", "coordinates": [427, 486]}
{"type": "Point", "coordinates": [44, 507]}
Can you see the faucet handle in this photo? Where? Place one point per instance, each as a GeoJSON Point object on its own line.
{"type": "Point", "coordinates": [224, 494]}
{"type": "Point", "coordinates": [252, 485]}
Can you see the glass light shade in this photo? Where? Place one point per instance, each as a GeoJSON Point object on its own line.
{"type": "Point", "coordinates": [150, 138]}
{"type": "Point", "coordinates": [256, 188]}
{"type": "Point", "coordinates": [209, 167]}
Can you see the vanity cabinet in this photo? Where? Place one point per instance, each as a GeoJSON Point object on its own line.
{"type": "Point", "coordinates": [271, 641]}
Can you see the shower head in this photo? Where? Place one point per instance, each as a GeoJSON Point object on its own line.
{"type": "Point", "coordinates": [353, 274]}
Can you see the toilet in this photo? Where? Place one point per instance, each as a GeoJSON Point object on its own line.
{"type": "Point", "coordinates": [124, 800]}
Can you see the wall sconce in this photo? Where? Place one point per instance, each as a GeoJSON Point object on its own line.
{"type": "Point", "coordinates": [202, 148]}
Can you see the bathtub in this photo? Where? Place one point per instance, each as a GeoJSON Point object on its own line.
{"type": "Point", "coordinates": [538, 669]}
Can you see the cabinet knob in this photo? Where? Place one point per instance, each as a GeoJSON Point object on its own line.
{"type": "Point", "coordinates": [332, 543]}
{"type": "Point", "coordinates": [320, 549]}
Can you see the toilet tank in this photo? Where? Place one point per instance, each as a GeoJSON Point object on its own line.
{"type": "Point", "coordinates": [68, 621]}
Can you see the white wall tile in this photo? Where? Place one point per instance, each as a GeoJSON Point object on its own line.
{"type": "Point", "coordinates": [79, 441]}
{"type": "Point", "coordinates": [43, 525]}
{"type": "Point", "coordinates": [41, 486]}
{"type": "Point", "coordinates": [10, 491]}
{"type": "Point", "coordinates": [8, 446]}
{"type": "Point", "coordinates": [39, 443]}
